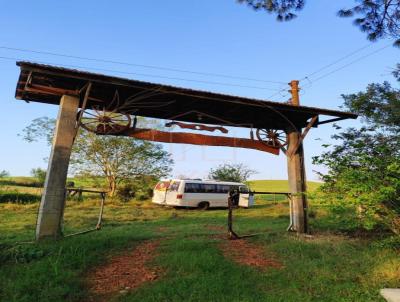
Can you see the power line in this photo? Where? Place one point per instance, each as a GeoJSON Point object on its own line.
{"type": "Point", "coordinates": [337, 61]}
{"type": "Point", "coordinates": [140, 65]}
{"type": "Point", "coordinates": [351, 63]}
{"type": "Point", "coordinates": [323, 68]}
{"type": "Point", "coordinates": [280, 92]}
{"type": "Point", "coordinates": [147, 75]}
{"type": "Point", "coordinates": [307, 77]}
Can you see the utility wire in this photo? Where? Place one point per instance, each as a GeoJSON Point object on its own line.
{"type": "Point", "coordinates": [280, 91]}
{"type": "Point", "coordinates": [284, 89]}
{"type": "Point", "coordinates": [140, 65]}
{"type": "Point", "coordinates": [147, 75]}
{"type": "Point", "coordinates": [336, 61]}
{"type": "Point", "coordinates": [310, 82]}
{"type": "Point", "coordinates": [350, 63]}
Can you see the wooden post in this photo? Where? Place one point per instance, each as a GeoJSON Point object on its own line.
{"type": "Point", "coordinates": [231, 234]}
{"type": "Point", "coordinates": [51, 208]}
{"type": "Point", "coordinates": [296, 171]}
{"type": "Point", "coordinates": [295, 100]}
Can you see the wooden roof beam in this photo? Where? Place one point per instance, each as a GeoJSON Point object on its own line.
{"type": "Point", "coordinates": [198, 139]}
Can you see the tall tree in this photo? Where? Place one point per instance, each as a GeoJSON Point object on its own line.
{"type": "Point", "coordinates": [377, 18]}
{"type": "Point", "coordinates": [231, 172]}
{"type": "Point", "coordinates": [115, 158]}
{"type": "Point", "coordinates": [364, 165]}
{"type": "Point", "coordinates": [118, 158]}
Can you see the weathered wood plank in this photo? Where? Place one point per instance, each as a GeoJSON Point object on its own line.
{"type": "Point", "coordinates": [199, 139]}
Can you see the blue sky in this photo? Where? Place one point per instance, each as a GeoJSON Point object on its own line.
{"type": "Point", "coordinates": [208, 36]}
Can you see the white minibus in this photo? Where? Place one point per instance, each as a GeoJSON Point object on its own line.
{"type": "Point", "coordinates": [202, 194]}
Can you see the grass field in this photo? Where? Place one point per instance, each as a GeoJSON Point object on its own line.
{"type": "Point", "coordinates": [277, 185]}
{"type": "Point", "coordinates": [326, 267]}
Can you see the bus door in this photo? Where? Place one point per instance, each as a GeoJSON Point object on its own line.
{"type": "Point", "coordinates": [246, 199]}
{"type": "Point", "coordinates": [172, 192]}
{"type": "Point", "coordinates": [160, 192]}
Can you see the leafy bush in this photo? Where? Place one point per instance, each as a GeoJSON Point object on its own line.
{"type": "Point", "coordinates": [140, 188]}
{"type": "Point", "coordinates": [364, 165]}
{"type": "Point", "coordinates": [312, 213]}
{"type": "Point", "coordinates": [4, 173]}
{"type": "Point", "coordinates": [392, 242]}
{"type": "Point", "coordinates": [39, 174]}
{"type": "Point", "coordinates": [142, 196]}
{"type": "Point", "coordinates": [17, 197]}
{"type": "Point", "coordinates": [20, 253]}
{"type": "Point", "coordinates": [25, 183]}
{"type": "Point", "coordinates": [125, 192]}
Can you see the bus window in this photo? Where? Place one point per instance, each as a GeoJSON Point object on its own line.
{"type": "Point", "coordinates": [209, 188]}
{"type": "Point", "coordinates": [192, 188]}
{"type": "Point", "coordinates": [174, 186]}
{"type": "Point", "coordinates": [233, 188]}
{"type": "Point", "coordinates": [222, 188]}
{"type": "Point", "coordinates": [243, 189]}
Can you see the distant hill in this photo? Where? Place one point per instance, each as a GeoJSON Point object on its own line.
{"type": "Point", "coordinates": [277, 185]}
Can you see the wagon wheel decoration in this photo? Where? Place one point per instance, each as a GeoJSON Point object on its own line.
{"type": "Point", "coordinates": [272, 137]}
{"type": "Point", "coordinates": [104, 122]}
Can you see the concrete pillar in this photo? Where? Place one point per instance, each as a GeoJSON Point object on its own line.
{"type": "Point", "coordinates": [53, 199]}
{"type": "Point", "coordinates": [296, 171]}
{"type": "Point", "coordinates": [297, 184]}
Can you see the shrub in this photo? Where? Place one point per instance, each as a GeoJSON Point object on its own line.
{"type": "Point", "coordinates": [126, 192]}
{"type": "Point", "coordinates": [17, 197]}
{"type": "Point", "coordinates": [142, 196]}
{"type": "Point", "coordinates": [312, 213]}
{"type": "Point", "coordinates": [392, 242]}
{"type": "Point", "coordinates": [39, 174]}
{"type": "Point", "coordinates": [4, 173]}
{"type": "Point", "coordinates": [20, 253]}
{"type": "Point", "coordinates": [140, 188]}
{"type": "Point", "coordinates": [25, 183]}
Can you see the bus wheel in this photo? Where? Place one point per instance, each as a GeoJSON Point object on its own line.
{"type": "Point", "coordinates": [204, 205]}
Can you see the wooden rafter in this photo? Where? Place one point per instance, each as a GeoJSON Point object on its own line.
{"type": "Point", "coordinates": [50, 90]}
{"type": "Point", "coordinates": [330, 120]}
{"type": "Point", "coordinates": [88, 87]}
{"type": "Point", "coordinates": [313, 120]}
{"type": "Point", "coordinates": [198, 139]}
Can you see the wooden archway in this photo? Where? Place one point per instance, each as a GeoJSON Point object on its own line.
{"type": "Point", "coordinates": [72, 89]}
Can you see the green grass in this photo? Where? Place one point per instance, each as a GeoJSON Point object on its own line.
{"type": "Point", "coordinates": [328, 267]}
{"type": "Point", "coordinates": [28, 182]}
{"type": "Point", "coordinates": [277, 185]}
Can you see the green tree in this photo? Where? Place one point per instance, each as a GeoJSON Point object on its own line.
{"type": "Point", "coordinates": [115, 158]}
{"type": "Point", "coordinates": [118, 158]}
{"type": "Point", "coordinates": [4, 173]}
{"type": "Point", "coordinates": [364, 165]}
{"type": "Point", "coordinates": [39, 174]}
{"type": "Point", "coordinates": [377, 18]}
{"type": "Point", "coordinates": [231, 172]}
